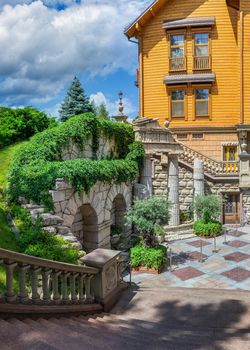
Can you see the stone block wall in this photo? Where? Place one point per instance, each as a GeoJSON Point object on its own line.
{"type": "Point", "coordinates": [160, 177]}
{"type": "Point", "coordinates": [89, 215]}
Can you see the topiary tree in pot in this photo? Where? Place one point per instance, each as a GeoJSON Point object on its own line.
{"type": "Point", "coordinates": [208, 210]}
{"type": "Point", "coordinates": [148, 216]}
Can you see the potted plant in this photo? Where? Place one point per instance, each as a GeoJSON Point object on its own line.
{"type": "Point", "coordinates": [208, 210]}
{"type": "Point", "coordinates": [148, 216]}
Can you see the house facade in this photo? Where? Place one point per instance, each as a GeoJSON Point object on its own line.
{"type": "Point", "coordinates": [194, 77]}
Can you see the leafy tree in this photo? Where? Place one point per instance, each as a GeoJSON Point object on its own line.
{"type": "Point", "coordinates": [102, 111]}
{"type": "Point", "coordinates": [75, 102]}
{"type": "Point", "coordinates": [148, 215]}
{"type": "Point", "coordinates": [208, 207]}
{"type": "Point", "coordinates": [22, 123]}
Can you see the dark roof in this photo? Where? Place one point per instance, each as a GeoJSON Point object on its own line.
{"type": "Point", "coordinates": [189, 22]}
{"type": "Point", "coordinates": [189, 78]}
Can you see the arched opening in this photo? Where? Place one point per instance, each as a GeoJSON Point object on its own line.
{"type": "Point", "coordinates": [118, 212]}
{"type": "Point", "coordinates": [85, 227]}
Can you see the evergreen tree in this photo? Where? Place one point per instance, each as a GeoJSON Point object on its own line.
{"type": "Point", "coordinates": [102, 111]}
{"type": "Point", "coordinates": [75, 102]}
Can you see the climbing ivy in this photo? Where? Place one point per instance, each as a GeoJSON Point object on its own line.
{"type": "Point", "coordinates": [39, 163]}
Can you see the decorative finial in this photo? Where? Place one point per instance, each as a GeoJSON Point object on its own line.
{"type": "Point", "coordinates": [120, 107]}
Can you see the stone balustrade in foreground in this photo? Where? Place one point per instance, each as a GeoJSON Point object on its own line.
{"type": "Point", "coordinates": [59, 286]}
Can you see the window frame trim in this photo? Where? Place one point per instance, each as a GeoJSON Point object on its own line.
{"type": "Point", "coordinates": [170, 90]}
{"type": "Point", "coordinates": [204, 30]}
{"type": "Point", "coordinates": [170, 33]}
{"type": "Point", "coordinates": [202, 87]}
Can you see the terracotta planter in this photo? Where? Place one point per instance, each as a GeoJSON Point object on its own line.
{"type": "Point", "coordinates": [143, 269]}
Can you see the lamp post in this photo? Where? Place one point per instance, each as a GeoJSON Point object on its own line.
{"type": "Point", "coordinates": [120, 117]}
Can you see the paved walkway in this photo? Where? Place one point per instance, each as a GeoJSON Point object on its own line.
{"type": "Point", "coordinates": [229, 268]}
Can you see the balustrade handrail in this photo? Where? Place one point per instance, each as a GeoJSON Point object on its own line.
{"type": "Point", "coordinates": [219, 165]}
{"type": "Point", "coordinates": [39, 262]}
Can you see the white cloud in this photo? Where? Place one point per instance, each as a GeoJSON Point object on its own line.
{"type": "Point", "coordinates": [42, 48]}
{"type": "Point", "coordinates": [112, 106]}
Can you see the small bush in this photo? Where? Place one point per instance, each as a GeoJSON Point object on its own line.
{"type": "Point", "coordinates": [148, 257]}
{"type": "Point", "coordinates": [115, 230]}
{"type": "Point", "coordinates": [35, 241]}
{"type": "Point", "coordinates": [185, 216]}
{"type": "Point", "coordinates": [147, 215]}
{"type": "Point", "coordinates": [207, 229]}
{"type": "Point", "coordinates": [208, 207]}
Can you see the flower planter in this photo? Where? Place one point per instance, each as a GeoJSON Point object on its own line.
{"type": "Point", "coordinates": [143, 269]}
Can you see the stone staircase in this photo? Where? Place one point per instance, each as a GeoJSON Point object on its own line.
{"type": "Point", "coordinates": [150, 317]}
{"type": "Point", "coordinates": [212, 168]}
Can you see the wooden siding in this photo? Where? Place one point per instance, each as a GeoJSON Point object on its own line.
{"type": "Point", "coordinates": [245, 7]}
{"type": "Point", "coordinates": [225, 63]}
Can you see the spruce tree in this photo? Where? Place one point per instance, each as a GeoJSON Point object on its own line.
{"type": "Point", "coordinates": [102, 111]}
{"type": "Point", "coordinates": [75, 102]}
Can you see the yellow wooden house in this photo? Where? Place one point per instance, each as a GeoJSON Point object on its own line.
{"type": "Point", "coordinates": [194, 73]}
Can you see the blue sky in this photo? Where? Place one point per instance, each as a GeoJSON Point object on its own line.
{"type": "Point", "coordinates": [45, 43]}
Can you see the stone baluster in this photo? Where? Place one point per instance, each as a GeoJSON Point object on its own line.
{"type": "Point", "coordinates": [34, 284]}
{"type": "Point", "coordinates": [64, 281]}
{"type": "Point", "coordinates": [88, 296]}
{"type": "Point", "coordinates": [81, 294]}
{"type": "Point", "coordinates": [23, 295]}
{"type": "Point", "coordinates": [45, 281]}
{"type": "Point", "coordinates": [173, 191]}
{"type": "Point", "coordinates": [73, 295]}
{"type": "Point", "coordinates": [9, 294]}
{"type": "Point", "coordinates": [56, 294]}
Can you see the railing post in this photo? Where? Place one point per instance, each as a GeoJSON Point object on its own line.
{"type": "Point", "coordinates": [73, 287]}
{"type": "Point", "coordinates": [23, 295]}
{"type": "Point", "coordinates": [45, 280]}
{"type": "Point", "coordinates": [65, 294]}
{"type": "Point", "coordinates": [81, 288]}
{"type": "Point", "coordinates": [9, 294]}
{"type": "Point", "coordinates": [34, 284]}
{"type": "Point", "coordinates": [106, 285]}
{"type": "Point", "coordinates": [56, 294]}
{"type": "Point", "coordinates": [88, 296]}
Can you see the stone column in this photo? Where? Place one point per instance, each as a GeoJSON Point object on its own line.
{"type": "Point", "coordinates": [198, 180]}
{"type": "Point", "coordinates": [173, 191]}
{"type": "Point", "coordinates": [146, 176]}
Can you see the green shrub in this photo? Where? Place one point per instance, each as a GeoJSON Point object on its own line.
{"type": "Point", "coordinates": [153, 257]}
{"type": "Point", "coordinates": [21, 123]}
{"type": "Point", "coordinates": [39, 163]}
{"type": "Point", "coordinates": [208, 207]}
{"type": "Point", "coordinates": [116, 230]}
{"type": "Point", "coordinates": [185, 215]}
{"type": "Point", "coordinates": [207, 229]}
{"type": "Point", "coordinates": [35, 241]}
{"type": "Point", "coordinates": [147, 215]}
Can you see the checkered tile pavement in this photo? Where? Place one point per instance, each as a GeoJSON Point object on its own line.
{"type": "Point", "coordinates": [196, 265]}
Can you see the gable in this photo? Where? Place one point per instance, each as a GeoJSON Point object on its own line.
{"type": "Point", "coordinates": [134, 28]}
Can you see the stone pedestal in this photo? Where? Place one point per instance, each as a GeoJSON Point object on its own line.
{"type": "Point", "coordinates": [146, 176]}
{"type": "Point", "coordinates": [173, 190]}
{"type": "Point", "coordinates": [106, 285]}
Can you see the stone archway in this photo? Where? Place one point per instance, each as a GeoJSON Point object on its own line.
{"type": "Point", "coordinates": [85, 226]}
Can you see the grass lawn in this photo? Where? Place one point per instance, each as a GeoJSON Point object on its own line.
{"type": "Point", "coordinates": [7, 237]}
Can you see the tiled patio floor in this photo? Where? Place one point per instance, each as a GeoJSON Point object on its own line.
{"type": "Point", "coordinates": [229, 268]}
